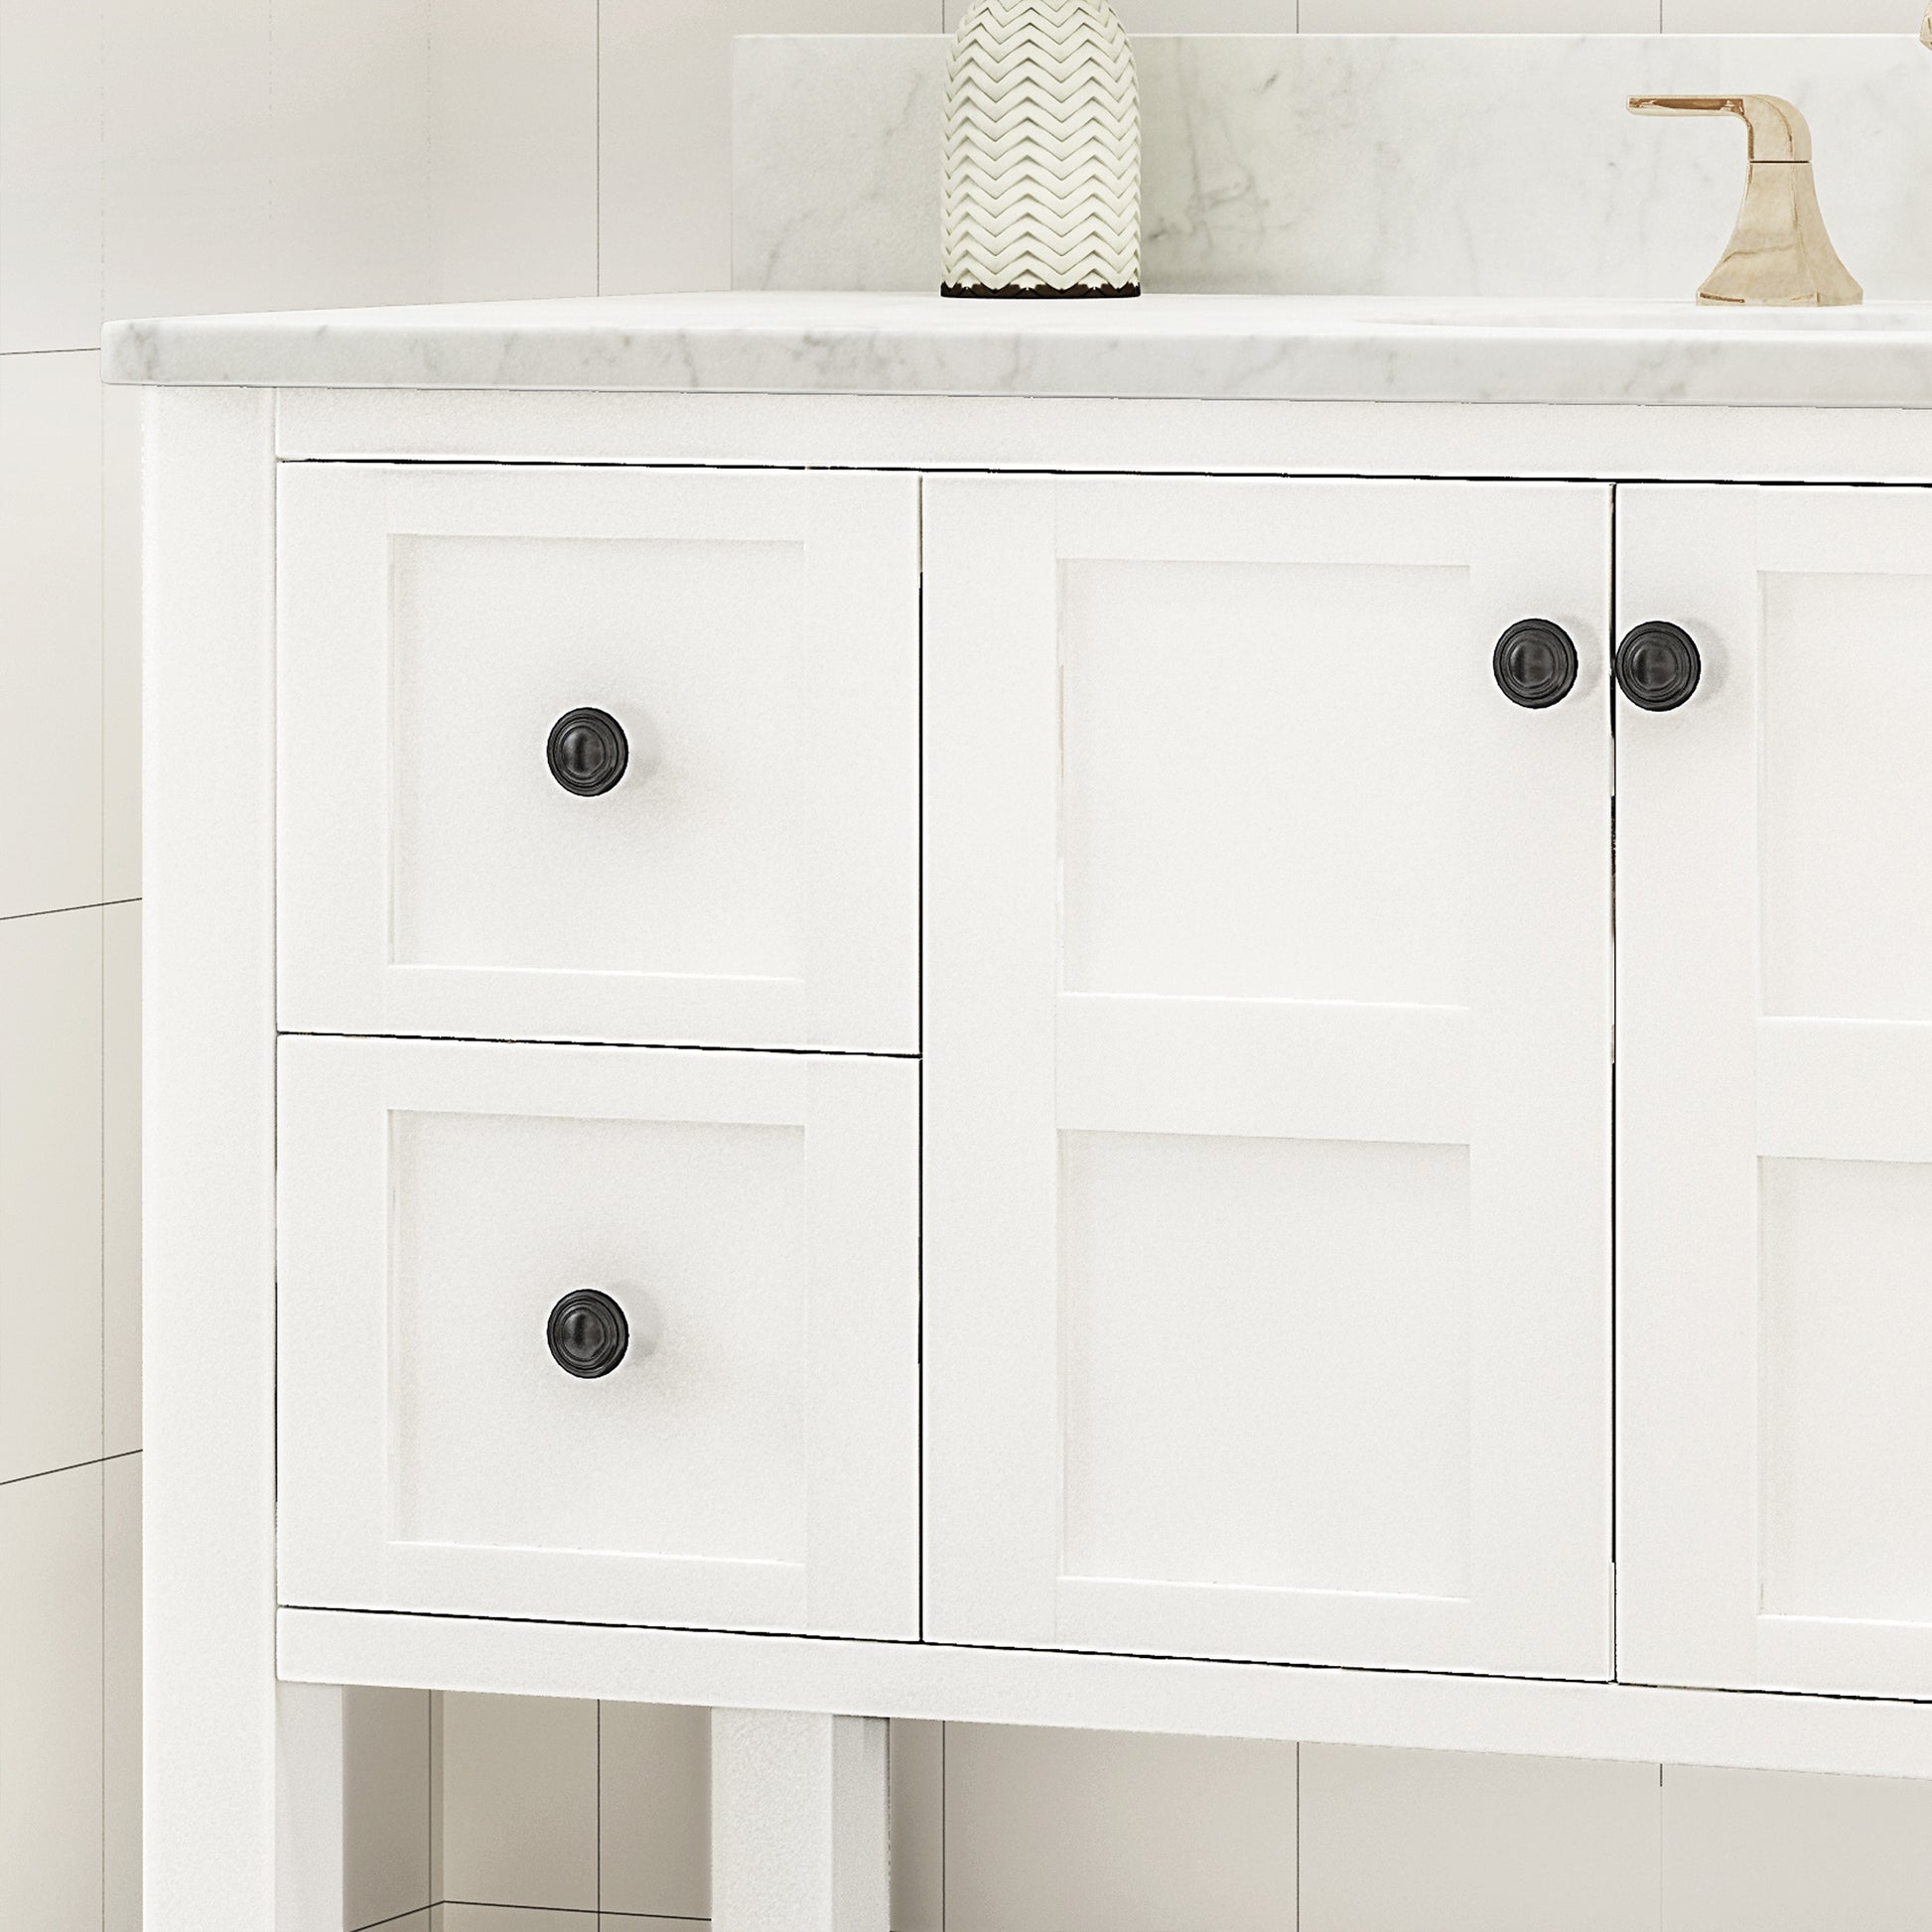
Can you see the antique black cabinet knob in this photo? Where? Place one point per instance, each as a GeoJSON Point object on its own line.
{"type": "Point", "coordinates": [1535, 663]}
{"type": "Point", "coordinates": [1658, 667]}
{"type": "Point", "coordinates": [588, 1333]}
{"type": "Point", "coordinates": [588, 752]}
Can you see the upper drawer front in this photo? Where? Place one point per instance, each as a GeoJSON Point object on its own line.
{"type": "Point", "coordinates": [750, 880]}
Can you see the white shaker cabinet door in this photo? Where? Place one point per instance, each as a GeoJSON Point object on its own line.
{"type": "Point", "coordinates": [464, 1427]}
{"type": "Point", "coordinates": [1268, 999]}
{"type": "Point", "coordinates": [1774, 1100]}
{"type": "Point", "coordinates": [599, 755]}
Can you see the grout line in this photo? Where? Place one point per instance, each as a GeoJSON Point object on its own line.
{"type": "Point", "coordinates": [597, 147]}
{"type": "Point", "coordinates": [67, 1468]}
{"type": "Point", "coordinates": [396, 1918]}
{"type": "Point", "coordinates": [52, 912]}
{"type": "Point", "coordinates": [90, 348]}
{"type": "Point", "coordinates": [103, 1762]}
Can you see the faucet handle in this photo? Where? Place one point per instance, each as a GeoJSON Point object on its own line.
{"type": "Point", "coordinates": [1778, 132]}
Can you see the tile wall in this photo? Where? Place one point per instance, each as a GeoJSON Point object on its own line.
{"type": "Point", "coordinates": [172, 155]}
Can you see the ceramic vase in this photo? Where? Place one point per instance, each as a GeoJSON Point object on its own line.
{"type": "Point", "coordinates": [1043, 161]}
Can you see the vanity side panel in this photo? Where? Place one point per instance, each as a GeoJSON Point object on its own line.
{"type": "Point", "coordinates": [209, 1085]}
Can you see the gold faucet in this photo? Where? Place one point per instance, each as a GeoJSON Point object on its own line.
{"type": "Point", "coordinates": [1779, 254]}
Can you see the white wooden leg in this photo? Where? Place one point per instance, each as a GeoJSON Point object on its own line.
{"type": "Point", "coordinates": [308, 1761]}
{"type": "Point", "coordinates": [798, 1823]}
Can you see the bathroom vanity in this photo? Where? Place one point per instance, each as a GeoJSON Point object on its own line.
{"type": "Point", "coordinates": [865, 1008]}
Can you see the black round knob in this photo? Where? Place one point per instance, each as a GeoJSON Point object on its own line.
{"type": "Point", "coordinates": [1535, 663]}
{"type": "Point", "coordinates": [1658, 667]}
{"type": "Point", "coordinates": [588, 1333]}
{"type": "Point", "coordinates": [588, 752]}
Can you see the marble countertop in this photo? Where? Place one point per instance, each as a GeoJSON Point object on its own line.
{"type": "Point", "coordinates": [1232, 346]}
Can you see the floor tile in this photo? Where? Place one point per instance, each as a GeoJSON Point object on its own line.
{"type": "Point", "coordinates": [1774, 1852]}
{"type": "Point", "coordinates": [1442, 1841]}
{"type": "Point", "coordinates": [50, 1191]}
{"type": "Point", "coordinates": [453, 1917]}
{"type": "Point", "coordinates": [50, 1701]}
{"type": "Point", "coordinates": [519, 1801]}
{"type": "Point", "coordinates": [655, 1790]}
{"type": "Point", "coordinates": [1061, 1831]}
{"type": "Point", "coordinates": [50, 644]}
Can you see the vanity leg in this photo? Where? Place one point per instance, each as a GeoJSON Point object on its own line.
{"type": "Point", "coordinates": [798, 1823]}
{"type": "Point", "coordinates": [308, 1766]}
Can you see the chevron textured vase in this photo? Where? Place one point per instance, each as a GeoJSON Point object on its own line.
{"type": "Point", "coordinates": [1042, 188]}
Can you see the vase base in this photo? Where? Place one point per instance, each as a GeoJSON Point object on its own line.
{"type": "Point", "coordinates": [978, 291]}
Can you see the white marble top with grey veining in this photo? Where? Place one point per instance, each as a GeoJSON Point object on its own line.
{"type": "Point", "coordinates": [1218, 347]}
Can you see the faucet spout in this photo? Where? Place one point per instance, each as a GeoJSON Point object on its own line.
{"type": "Point", "coordinates": [1779, 255]}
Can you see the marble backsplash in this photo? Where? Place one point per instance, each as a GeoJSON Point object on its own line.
{"type": "Point", "coordinates": [1483, 165]}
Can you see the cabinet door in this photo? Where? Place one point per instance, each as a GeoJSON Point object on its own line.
{"type": "Point", "coordinates": [743, 874]}
{"type": "Point", "coordinates": [449, 1441]}
{"type": "Point", "coordinates": [1774, 1113]}
{"type": "Point", "coordinates": [1267, 1300]}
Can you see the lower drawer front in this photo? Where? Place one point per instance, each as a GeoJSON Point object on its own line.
{"type": "Point", "coordinates": [608, 1334]}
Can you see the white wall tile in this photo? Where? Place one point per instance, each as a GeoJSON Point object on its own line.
{"type": "Point", "coordinates": [1479, 16]}
{"type": "Point", "coordinates": [349, 128]}
{"type": "Point", "coordinates": [50, 1191]}
{"type": "Point", "coordinates": [120, 643]}
{"type": "Point", "coordinates": [1063, 1831]}
{"type": "Point", "coordinates": [121, 1696]}
{"type": "Point", "coordinates": [519, 1801]}
{"type": "Point", "coordinates": [1790, 16]}
{"type": "Point", "coordinates": [120, 1179]}
{"type": "Point", "coordinates": [1770, 1852]}
{"type": "Point", "coordinates": [1183, 16]}
{"type": "Point", "coordinates": [917, 1768]}
{"type": "Point", "coordinates": [664, 82]}
{"type": "Point", "coordinates": [49, 174]}
{"type": "Point", "coordinates": [50, 1701]}
{"type": "Point", "coordinates": [50, 632]}
{"type": "Point", "coordinates": [1399, 1841]}
{"type": "Point", "coordinates": [188, 183]}
{"type": "Point", "coordinates": [385, 1804]}
{"type": "Point", "coordinates": [512, 149]}
{"type": "Point", "coordinates": [655, 1795]}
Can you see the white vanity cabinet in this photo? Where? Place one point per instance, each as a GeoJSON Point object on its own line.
{"type": "Point", "coordinates": [1177, 1142]}
{"type": "Point", "coordinates": [1774, 1097]}
{"type": "Point", "coordinates": [1268, 1003]}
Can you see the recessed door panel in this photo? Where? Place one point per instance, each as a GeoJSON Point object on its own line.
{"type": "Point", "coordinates": [1774, 1119]}
{"type": "Point", "coordinates": [1267, 1300]}
{"type": "Point", "coordinates": [599, 755]}
{"type": "Point", "coordinates": [607, 1334]}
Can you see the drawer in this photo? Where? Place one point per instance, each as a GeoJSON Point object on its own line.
{"type": "Point", "coordinates": [599, 755]}
{"type": "Point", "coordinates": [448, 1212]}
